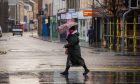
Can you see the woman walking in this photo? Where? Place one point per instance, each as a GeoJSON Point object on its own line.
{"type": "Point", "coordinates": [73, 51]}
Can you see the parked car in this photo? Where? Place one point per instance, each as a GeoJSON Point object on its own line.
{"type": "Point", "coordinates": [17, 30]}
{"type": "Point", "coordinates": [0, 31]}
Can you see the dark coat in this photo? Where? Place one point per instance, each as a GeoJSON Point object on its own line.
{"type": "Point", "coordinates": [90, 33]}
{"type": "Point", "coordinates": [74, 51]}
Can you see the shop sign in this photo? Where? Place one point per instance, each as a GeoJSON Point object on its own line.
{"type": "Point", "coordinates": [68, 16]}
{"type": "Point", "coordinates": [88, 13]}
{"type": "Point", "coordinates": [74, 15]}
{"type": "Point", "coordinates": [81, 16]}
{"type": "Point", "coordinates": [71, 10]}
{"type": "Point", "coordinates": [63, 16]}
{"type": "Point", "coordinates": [46, 21]}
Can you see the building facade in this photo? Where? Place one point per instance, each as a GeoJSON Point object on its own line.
{"type": "Point", "coordinates": [106, 26]}
{"type": "Point", "coordinates": [125, 30]}
{"type": "Point", "coordinates": [84, 22]}
{"type": "Point", "coordinates": [4, 15]}
{"type": "Point", "coordinates": [14, 12]}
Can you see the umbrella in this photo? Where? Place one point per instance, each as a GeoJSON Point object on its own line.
{"type": "Point", "coordinates": [65, 27]}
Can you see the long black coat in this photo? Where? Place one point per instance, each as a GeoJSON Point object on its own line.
{"type": "Point", "coordinates": [74, 52]}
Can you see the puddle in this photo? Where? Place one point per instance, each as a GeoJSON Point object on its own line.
{"type": "Point", "coordinates": [54, 77]}
{"type": "Point", "coordinates": [3, 39]}
{"type": "Point", "coordinates": [20, 50]}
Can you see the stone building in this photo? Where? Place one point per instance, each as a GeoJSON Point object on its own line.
{"type": "Point", "coordinates": [4, 15]}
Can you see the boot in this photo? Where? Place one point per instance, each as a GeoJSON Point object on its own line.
{"type": "Point", "coordinates": [86, 70]}
{"type": "Point", "coordinates": [66, 71]}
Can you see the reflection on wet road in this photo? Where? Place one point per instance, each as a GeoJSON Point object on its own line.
{"type": "Point", "coordinates": [53, 77]}
{"type": "Point", "coordinates": [33, 61]}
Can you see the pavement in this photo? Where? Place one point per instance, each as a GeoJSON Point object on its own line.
{"type": "Point", "coordinates": [82, 43]}
{"type": "Point", "coordinates": [97, 47]}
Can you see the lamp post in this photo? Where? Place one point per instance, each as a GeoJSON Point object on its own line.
{"type": "Point", "coordinates": [92, 13]}
{"type": "Point", "coordinates": [96, 30]}
{"type": "Point", "coordinates": [15, 14]}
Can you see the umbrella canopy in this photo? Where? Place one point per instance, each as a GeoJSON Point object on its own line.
{"type": "Point", "coordinates": [65, 27]}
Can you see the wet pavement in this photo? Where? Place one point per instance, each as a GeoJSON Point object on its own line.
{"type": "Point", "coordinates": [74, 77]}
{"type": "Point", "coordinates": [33, 61]}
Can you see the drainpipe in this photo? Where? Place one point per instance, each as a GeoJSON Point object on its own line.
{"type": "Point", "coordinates": [16, 14]}
{"type": "Point", "coordinates": [51, 19]}
{"type": "Point", "coordinates": [92, 13]}
{"type": "Point", "coordinates": [123, 25]}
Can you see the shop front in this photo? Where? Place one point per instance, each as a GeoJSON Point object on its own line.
{"type": "Point", "coordinates": [84, 23]}
{"type": "Point", "coordinates": [61, 19]}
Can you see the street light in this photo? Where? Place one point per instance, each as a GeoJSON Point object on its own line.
{"type": "Point", "coordinates": [96, 29]}
{"type": "Point", "coordinates": [92, 13]}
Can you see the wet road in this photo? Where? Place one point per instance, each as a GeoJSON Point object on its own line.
{"type": "Point", "coordinates": [33, 61]}
{"type": "Point", "coordinates": [53, 77]}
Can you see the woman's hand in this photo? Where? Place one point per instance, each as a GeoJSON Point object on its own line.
{"type": "Point", "coordinates": [66, 51]}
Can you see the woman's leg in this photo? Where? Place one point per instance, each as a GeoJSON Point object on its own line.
{"type": "Point", "coordinates": [85, 68]}
{"type": "Point", "coordinates": [67, 67]}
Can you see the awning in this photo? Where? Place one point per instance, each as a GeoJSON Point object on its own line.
{"type": "Point", "coordinates": [100, 12]}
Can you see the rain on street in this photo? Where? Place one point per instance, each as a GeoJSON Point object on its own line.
{"type": "Point", "coordinates": [33, 34]}
{"type": "Point", "coordinates": [33, 61]}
